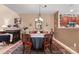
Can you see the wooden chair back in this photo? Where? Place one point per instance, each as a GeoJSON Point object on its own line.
{"type": "Point", "coordinates": [48, 38]}
{"type": "Point", "coordinates": [27, 44]}
{"type": "Point", "coordinates": [26, 37]}
{"type": "Point", "coordinates": [47, 42]}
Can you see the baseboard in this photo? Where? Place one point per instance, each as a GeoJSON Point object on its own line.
{"type": "Point", "coordinates": [65, 47]}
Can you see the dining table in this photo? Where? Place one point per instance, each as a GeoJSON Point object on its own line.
{"type": "Point", "coordinates": [37, 40]}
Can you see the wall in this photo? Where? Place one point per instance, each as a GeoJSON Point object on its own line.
{"type": "Point", "coordinates": [68, 36]}
{"type": "Point", "coordinates": [7, 16]}
{"type": "Point", "coordinates": [29, 19]}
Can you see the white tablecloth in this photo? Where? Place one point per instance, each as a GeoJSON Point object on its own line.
{"type": "Point", "coordinates": [37, 35]}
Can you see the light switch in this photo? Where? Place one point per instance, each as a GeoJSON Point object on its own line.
{"type": "Point", "coordinates": [75, 44]}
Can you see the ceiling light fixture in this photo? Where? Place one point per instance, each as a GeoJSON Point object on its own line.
{"type": "Point", "coordinates": [39, 18]}
{"type": "Point", "coordinates": [71, 10]}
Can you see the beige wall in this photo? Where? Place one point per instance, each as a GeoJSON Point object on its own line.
{"type": "Point", "coordinates": [7, 15]}
{"type": "Point", "coordinates": [29, 19]}
{"type": "Point", "coordinates": [68, 36]}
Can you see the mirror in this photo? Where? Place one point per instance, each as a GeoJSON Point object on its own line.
{"type": "Point", "coordinates": [38, 23]}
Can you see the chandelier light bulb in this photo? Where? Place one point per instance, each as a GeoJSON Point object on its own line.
{"type": "Point", "coordinates": [40, 19]}
{"type": "Point", "coordinates": [71, 10]}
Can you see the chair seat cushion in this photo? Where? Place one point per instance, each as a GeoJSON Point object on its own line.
{"type": "Point", "coordinates": [28, 43]}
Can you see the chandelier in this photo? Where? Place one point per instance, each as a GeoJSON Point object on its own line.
{"type": "Point", "coordinates": [39, 18]}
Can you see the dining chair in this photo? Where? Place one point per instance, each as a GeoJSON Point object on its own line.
{"type": "Point", "coordinates": [47, 43]}
{"type": "Point", "coordinates": [27, 44]}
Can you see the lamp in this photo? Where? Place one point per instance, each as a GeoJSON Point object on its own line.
{"type": "Point", "coordinates": [3, 26]}
{"type": "Point", "coordinates": [71, 10]}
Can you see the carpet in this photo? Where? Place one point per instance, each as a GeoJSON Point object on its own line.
{"type": "Point", "coordinates": [19, 50]}
{"type": "Point", "coordinates": [11, 48]}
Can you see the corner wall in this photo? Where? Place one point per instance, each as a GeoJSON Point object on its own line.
{"type": "Point", "coordinates": [7, 15]}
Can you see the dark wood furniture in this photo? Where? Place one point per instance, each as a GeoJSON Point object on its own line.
{"type": "Point", "coordinates": [2, 32]}
{"type": "Point", "coordinates": [47, 43]}
{"type": "Point", "coordinates": [16, 35]}
{"type": "Point", "coordinates": [27, 44]}
{"type": "Point", "coordinates": [5, 39]}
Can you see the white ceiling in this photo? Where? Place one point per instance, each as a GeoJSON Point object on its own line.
{"type": "Point", "coordinates": [51, 8]}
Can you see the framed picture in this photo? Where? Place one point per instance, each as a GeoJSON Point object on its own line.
{"type": "Point", "coordinates": [68, 21]}
{"type": "Point", "coordinates": [17, 20]}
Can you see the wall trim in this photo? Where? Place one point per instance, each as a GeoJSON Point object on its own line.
{"type": "Point", "coordinates": [64, 46]}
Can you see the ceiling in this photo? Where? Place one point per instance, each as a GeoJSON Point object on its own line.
{"type": "Point", "coordinates": [50, 9]}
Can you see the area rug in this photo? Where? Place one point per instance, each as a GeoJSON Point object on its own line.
{"type": "Point", "coordinates": [10, 49]}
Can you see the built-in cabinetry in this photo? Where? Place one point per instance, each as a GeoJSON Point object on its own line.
{"type": "Point", "coordinates": [2, 32]}
{"type": "Point", "coordinates": [16, 34]}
